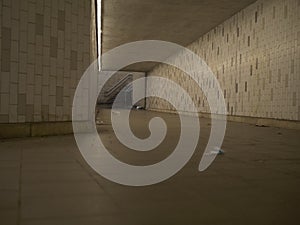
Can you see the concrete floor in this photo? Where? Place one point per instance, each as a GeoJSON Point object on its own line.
{"type": "Point", "coordinates": [45, 181]}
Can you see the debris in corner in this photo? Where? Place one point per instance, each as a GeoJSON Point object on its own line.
{"type": "Point", "coordinates": [217, 151]}
{"type": "Point", "coordinates": [138, 107]}
{"type": "Point", "coordinates": [260, 125]}
{"type": "Point", "coordinates": [99, 122]}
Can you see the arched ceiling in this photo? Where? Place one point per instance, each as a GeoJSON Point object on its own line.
{"type": "Point", "coordinates": [178, 21]}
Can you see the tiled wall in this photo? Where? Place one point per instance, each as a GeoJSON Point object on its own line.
{"type": "Point", "coordinates": [255, 56]}
{"type": "Point", "coordinates": [45, 47]}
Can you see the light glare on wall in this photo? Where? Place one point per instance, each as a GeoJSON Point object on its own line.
{"type": "Point", "coordinates": [99, 31]}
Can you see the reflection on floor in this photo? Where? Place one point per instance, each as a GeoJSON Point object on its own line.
{"type": "Point", "coordinates": [45, 181]}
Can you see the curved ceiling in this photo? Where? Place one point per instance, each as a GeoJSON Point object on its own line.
{"type": "Point", "coordinates": [178, 21]}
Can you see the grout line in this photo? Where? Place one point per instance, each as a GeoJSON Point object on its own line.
{"type": "Point", "coordinates": [98, 183]}
{"type": "Point", "coordinates": [20, 190]}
